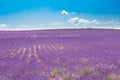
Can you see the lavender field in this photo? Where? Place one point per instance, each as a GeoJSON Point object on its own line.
{"type": "Point", "coordinates": [86, 54]}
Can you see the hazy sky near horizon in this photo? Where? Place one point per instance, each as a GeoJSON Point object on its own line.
{"type": "Point", "coordinates": [49, 14]}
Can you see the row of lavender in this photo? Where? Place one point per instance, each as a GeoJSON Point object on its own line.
{"type": "Point", "coordinates": [60, 55]}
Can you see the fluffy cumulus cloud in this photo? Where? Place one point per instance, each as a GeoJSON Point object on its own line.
{"type": "Point", "coordinates": [95, 22]}
{"type": "Point", "coordinates": [63, 12]}
{"type": "Point", "coordinates": [82, 21]}
{"type": "Point", "coordinates": [4, 25]}
{"type": "Point", "coordinates": [74, 20]}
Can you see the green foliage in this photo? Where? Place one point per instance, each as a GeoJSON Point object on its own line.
{"type": "Point", "coordinates": [57, 71]}
{"type": "Point", "coordinates": [112, 77]}
{"type": "Point", "coordinates": [85, 71]}
{"type": "Point", "coordinates": [64, 78]}
{"type": "Point", "coordinates": [68, 77]}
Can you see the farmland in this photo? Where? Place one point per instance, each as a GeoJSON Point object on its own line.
{"type": "Point", "coordinates": [73, 54]}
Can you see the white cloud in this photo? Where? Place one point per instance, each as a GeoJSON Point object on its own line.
{"type": "Point", "coordinates": [82, 21]}
{"type": "Point", "coordinates": [117, 23]}
{"type": "Point", "coordinates": [4, 25]}
{"type": "Point", "coordinates": [95, 22]}
{"type": "Point", "coordinates": [63, 12]}
{"type": "Point", "coordinates": [22, 27]}
{"type": "Point", "coordinates": [74, 20]}
{"type": "Point", "coordinates": [110, 22]}
{"type": "Point", "coordinates": [57, 23]}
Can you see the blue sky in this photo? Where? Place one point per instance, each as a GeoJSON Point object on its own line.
{"type": "Point", "coordinates": [48, 14]}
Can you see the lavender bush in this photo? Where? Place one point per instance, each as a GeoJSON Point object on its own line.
{"type": "Point", "coordinates": [60, 55]}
